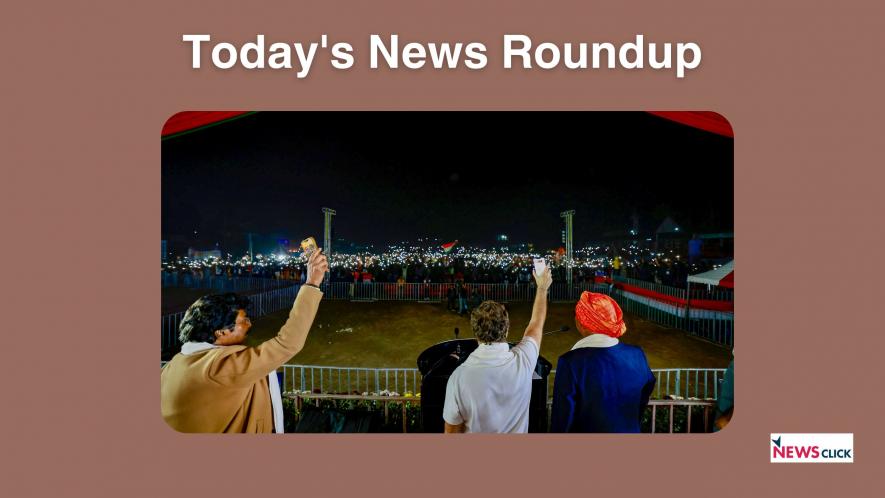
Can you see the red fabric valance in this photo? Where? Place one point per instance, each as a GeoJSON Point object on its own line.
{"type": "Point", "coordinates": [189, 120]}
{"type": "Point", "coordinates": [704, 120]}
{"type": "Point", "coordinates": [704, 304]}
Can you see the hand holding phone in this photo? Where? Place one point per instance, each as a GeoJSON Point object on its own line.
{"type": "Point", "coordinates": [540, 266]}
{"type": "Point", "coordinates": [308, 246]}
{"type": "Point", "coordinates": [317, 266]}
{"type": "Point", "coordinates": [543, 278]}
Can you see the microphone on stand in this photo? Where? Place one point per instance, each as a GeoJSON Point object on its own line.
{"type": "Point", "coordinates": [453, 358]}
{"type": "Point", "coordinates": [564, 328]}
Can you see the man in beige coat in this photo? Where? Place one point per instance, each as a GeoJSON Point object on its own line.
{"type": "Point", "coordinates": [216, 384]}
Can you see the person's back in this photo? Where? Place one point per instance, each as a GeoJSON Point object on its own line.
{"type": "Point", "coordinates": [601, 385]}
{"type": "Point", "coordinates": [216, 383]}
{"type": "Point", "coordinates": [493, 387]}
{"type": "Point", "coordinates": [491, 391]}
{"type": "Point", "coordinates": [226, 406]}
{"type": "Point", "coordinates": [606, 389]}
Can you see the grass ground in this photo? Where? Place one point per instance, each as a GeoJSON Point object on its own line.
{"type": "Point", "coordinates": [392, 334]}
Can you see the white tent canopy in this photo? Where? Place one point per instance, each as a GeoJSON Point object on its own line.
{"type": "Point", "coordinates": [724, 276]}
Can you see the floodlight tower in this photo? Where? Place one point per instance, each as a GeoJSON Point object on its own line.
{"type": "Point", "coordinates": [569, 235]}
{"type": "Point", "coordinates": [328, 213]}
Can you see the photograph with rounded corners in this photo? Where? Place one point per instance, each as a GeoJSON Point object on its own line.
{"type": "Point", "coordinates": [447, 272]}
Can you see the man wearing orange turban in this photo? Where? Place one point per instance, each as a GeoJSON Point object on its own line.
{"type": "Point", "coordinates": [602, 384]}
{"type": "Point", "coordinates": [599, 314]}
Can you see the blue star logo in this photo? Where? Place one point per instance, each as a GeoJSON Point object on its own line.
{"type": "Point", "coordinates": [777, 441]}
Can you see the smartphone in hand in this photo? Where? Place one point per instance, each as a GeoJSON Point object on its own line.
{"type": "Point", "coordinates": [540, 266]}
{"type": "Point", "coordinates": [308, 246]}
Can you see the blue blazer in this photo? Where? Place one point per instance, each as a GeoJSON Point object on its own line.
{"type": "Point", "coordinates": [601, 389]}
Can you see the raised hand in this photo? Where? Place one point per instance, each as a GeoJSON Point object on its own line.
{"type": "Point", "coordinates": [317, 266]}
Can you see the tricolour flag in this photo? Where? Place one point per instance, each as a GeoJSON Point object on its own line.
{"type": "Point", "coordinates": [448, 247]}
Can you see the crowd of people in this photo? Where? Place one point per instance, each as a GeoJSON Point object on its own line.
{"type": "Point", "coordinates": [217, 384]}
{"type": "Point", "coordinates": [461, 299]}
{"type": "Point", "coordinates": [465, 264]}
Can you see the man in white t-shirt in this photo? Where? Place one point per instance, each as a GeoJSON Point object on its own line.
{"type": "Point", "coordinates": [491, 390]}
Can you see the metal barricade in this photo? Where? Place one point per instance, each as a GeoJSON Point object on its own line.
{"type": "Point", "coordinates": [325, 379]}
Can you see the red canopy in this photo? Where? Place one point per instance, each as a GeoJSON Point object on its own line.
{"type": "Point", "coordinates": [704, 120]}
{"type": "Point", "coordinates": [189, 120]}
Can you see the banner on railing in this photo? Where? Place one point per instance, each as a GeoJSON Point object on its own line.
{"type": "Point", "coordinates": [674, 297]}
{"type": "Point", "coordinates": [674, 309]}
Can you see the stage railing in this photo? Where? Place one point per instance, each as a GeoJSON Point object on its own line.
{"type": "Point", "coordinates": [678, 416]}
{"type": "Point", "coordinates": [314, 382]}
{"type": "Point", "coordinates": [701, 383]}
{"type": "Point", "coordinates": [695, 383]}
{"type": "Point", "coordinates": [316, 378]}
{"type": "Point", "coordinates": [673, 406]}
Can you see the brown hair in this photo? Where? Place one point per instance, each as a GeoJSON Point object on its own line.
{"type": "Point", "coordinates": [490, 322]}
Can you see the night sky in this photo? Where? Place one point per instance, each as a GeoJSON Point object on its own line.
{"type": "Point", "coordinates": [395, 176]}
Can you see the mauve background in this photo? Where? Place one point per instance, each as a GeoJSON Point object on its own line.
{"type": "Point", "coordinates": [86, 90]}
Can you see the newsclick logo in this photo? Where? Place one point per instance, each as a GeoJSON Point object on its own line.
{"type": "Point", "coordinates": [812, 448]}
